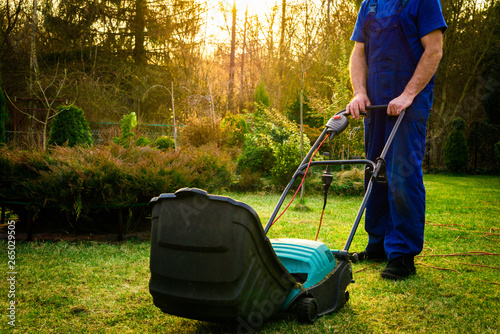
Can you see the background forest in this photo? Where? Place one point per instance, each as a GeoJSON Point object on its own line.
{"type": "Point", "coordinates": [154, 58]}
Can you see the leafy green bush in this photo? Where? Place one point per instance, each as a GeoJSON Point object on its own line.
{"type": "Point", "coordinates": [70, 127]}
{"type": "Point", "coordinates": [456, 152]}
{"type": "Point", "coordinates": [272, 131]}
{"type": "Point", "coordinates": [255, 158]}
{"type": "Point", "coordinates": [164, 143]}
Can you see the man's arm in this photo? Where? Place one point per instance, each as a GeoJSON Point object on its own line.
{"type": "Point", "coordinates": [359, 75]}
{"type": "Point", "coordinates": [427, 66]}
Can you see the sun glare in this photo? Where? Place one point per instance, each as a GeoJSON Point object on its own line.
{"type": "Point", "coordinates": [215, 19]}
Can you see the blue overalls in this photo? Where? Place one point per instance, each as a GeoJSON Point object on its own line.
{"type": "Point", "coordinates": [395, 213]}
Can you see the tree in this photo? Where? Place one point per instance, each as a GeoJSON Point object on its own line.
{"type": "Point", "coordinates": [261, 96]}
{"type": "Point", "coordinates": [491, 74]}
{"type": "Point", "coordinates": [456, 152]}
{"type": "Point", "coordinates": [3, 110]}
{"type": "Point", "coordinates": [232, 61]}
{"type": "Point", "coordinates": [459, 85]}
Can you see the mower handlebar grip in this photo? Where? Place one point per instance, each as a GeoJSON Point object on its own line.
{"type": "Point", "coordinates": [363, 113]}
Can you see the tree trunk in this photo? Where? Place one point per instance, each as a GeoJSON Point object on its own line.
{"type": "Point", "coordinates": [139, 27]}
{"type": "Point", "coordinates": [232, 62]}
{"type": "Point", "coordinates": [242, 84]}
{"type": "Point", "coordinates": [281, 64]}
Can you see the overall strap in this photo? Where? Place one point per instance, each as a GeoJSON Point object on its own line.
{"type": "Point", "coordinates": [373, 7]}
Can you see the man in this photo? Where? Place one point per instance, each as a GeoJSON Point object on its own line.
{"type": "Point", "coordinates": [397, 51]}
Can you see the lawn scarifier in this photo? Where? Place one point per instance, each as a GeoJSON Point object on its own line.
{"type": "Point", "coordinates": [211, 259]}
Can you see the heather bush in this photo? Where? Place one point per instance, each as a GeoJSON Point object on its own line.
{"type": "Point", "coordinates": [201, 131]}
{"type": "Point", "coordinates": [3, 115]}
{"type": "Point", "coordinates": [83, 181]}
{"type": "Point", "coordinates": [248, 180]}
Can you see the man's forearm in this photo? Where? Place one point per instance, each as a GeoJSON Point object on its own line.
{"type": "Point", "coordinates": [426, 68]}
{"type": "Point", "coordinates": [358, 70]}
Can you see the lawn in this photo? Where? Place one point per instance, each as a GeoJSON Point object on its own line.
{"type": "Point", "coordinates": [90, 286]}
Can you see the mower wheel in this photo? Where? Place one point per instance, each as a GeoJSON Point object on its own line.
{"type": "Point", "coordinates": [306, 310]}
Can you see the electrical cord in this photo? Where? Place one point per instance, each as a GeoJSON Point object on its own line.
{"type": "Point", "coordinates": [301, 183]}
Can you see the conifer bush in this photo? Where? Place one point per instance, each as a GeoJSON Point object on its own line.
{"type": "Point", "coordinates": [70, 127]}
{"type": "Point", "coordinates": [236, 126]}
{"type": "Point", "coordinates": [456, 151]}
{"type": "Point", "coordinates": [164, 143]}
{"type": "Point", "coordinates": [261, 97]}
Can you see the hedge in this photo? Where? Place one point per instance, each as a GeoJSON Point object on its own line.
{"type": "Point", "coordinates": [81, 181]}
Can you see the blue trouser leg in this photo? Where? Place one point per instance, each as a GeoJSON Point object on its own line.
{"type": "Point", "coordinates": [395, 214]}
{"type": "Point", "coordinates": [377, 212]}
{"type": "Point", "coordinates": [406, 195]}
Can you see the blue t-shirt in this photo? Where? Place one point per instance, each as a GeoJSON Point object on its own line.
{"type": "Point", "coordinates": [418, 18]}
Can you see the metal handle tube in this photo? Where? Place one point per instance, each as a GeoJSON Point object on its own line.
{"type": "Point", "coordinates": [370, 183]}
{"type": "Point", "coordinates": [359, 215]}
{"type": "Point", "coordinates": [305, 161]}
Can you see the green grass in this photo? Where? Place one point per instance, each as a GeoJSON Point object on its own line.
{"type": "Point", "coordinates": [81, 287]}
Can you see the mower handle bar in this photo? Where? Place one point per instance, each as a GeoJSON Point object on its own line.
{"type": "Point", "coordinates": [363, 113]}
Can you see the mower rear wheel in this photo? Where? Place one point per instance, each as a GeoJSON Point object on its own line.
{"type": "Point", "coordinates": [307, 310]}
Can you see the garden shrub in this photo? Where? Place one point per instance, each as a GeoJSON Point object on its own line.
{"type": "Point", "coordinates": [312, 133]}
{"type": "Point", "coordinates": [456, 152]}
{"type": "Point", "coordinates": [213, 167]}
{"type": "Point", "coordinates": [70, 127]}
{"type": "Point", "coordinates": [309, 116]}
{"type": "Point", "coordinates": [236, 127]}
{"type": "Point", "coordinates": [272, 130]}
{"type": "Point", "coordinates": [164, 143]}
{"type": "Point", "coordinates": [83, 182]}
{"type": "Point", "coordinates": [142, 141]}
{"type": "Point", "coordinates": [201, 131]}
{"type": "Point", "coordinates": [349, 182]}
{"type": "Point", "coordinates": [248, 180]}
{"type": "Point", "coordinates": [261, 97]}
{"type": "Point", "coordinates": [128, 123]}
{"type": "Point", "coordinates": [255, 158]}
